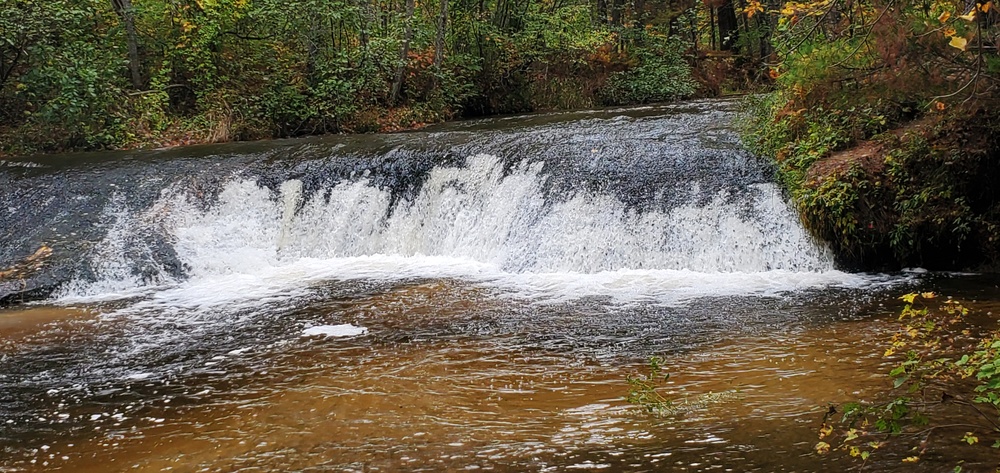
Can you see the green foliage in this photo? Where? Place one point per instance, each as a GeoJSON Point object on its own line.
{"type": "Point", "coordinates": [846, 72]}
{"type": "Point", "coordinates": [643, 389]}
{"type": "Point", "coordinates": [216, 70]}
{"type": "Point", "coordinates": [919, 196]}
{"type": "Point", "coordinates": [937, 360]}
{"type": "Point", "coordinates": [661, 74]}
{"type": "Point", "coordinates": [937, 212]}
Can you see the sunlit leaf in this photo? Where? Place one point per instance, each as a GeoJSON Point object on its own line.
{"type": "Point", "coordinates": [928, 295]}
{"type": "Point", "coordinates": [822, 448]}
{"type": "Point", "coordinates": [944, 16]}
{"type": "Point", "coordinates": [911, 459]}
{"type": "Point", "coordinates": [969, 16]}
{"type": "Point", "coordinates": [958, 42]}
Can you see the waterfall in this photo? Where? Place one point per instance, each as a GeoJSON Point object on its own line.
{"type": "Point", "coordinates": [630, 208]}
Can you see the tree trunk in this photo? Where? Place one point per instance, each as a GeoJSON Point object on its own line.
{"type": "Point", "coordinates": [404, 51]}
{"type": "Point", "coordinates": [639, 13]}
{"type": "Point", "coordinates": [442, 22]}
{"type": "Point", "coordinates": [124, 10]}
{"type": "Point", "coordinates": [602, 12]}
{"type": "Point", "coordinates": [616, 12]}
{"type": "Point", "coordinates": [728, 26]}
{"type": "Point", "coordinates": [711, 25]}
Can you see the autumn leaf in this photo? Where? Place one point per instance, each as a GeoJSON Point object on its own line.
{"type": "Point", "coordinates": [822, 448]}
{"type": "Point", "coordinates": [969, 16]}
{"type": "Point", "coordinates": [985, 7]}
{"type": "Point", "coordinates": [949, 32]}
{"type": "Point", "coordinates": [939, 106]}
{"type": "Point", "coordinates": [958, 42]}
{"type": "Point", "coordinates": [944, 16]}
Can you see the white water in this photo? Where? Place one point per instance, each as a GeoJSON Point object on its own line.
{"type": "Point", "coordinates": [468, 222]}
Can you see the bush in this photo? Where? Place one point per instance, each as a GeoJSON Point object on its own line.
{"type": "Point", "coordinates": [661, 75]}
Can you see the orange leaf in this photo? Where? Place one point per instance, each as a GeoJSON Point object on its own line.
{"type": "Point", "coordinates": [944, 16]}
{"type": "Point", "coordinates": [949, 32]}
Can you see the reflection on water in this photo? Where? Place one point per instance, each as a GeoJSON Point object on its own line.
{"type": "Point", "coordinates": [448, 377]}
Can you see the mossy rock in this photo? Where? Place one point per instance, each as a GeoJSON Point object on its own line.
{"type": "Point", "coordinates": [926, 194]}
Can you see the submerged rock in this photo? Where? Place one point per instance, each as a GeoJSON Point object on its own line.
{"type": "Point", "coordinates": [25, 281]}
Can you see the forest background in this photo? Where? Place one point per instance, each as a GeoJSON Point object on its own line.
{"type": "Point", "coordinates": [97, 74]}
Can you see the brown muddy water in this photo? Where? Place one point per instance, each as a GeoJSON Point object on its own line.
{"type": "Point", "coordinates": [450, 378]}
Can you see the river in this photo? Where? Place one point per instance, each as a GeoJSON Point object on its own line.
{"type": "Point", "coordinates": [467, 297]}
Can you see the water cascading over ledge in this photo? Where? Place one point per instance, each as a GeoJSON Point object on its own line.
{"type": "Point", "coordinates": [650, 204]}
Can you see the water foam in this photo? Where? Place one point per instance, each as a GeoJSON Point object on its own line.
{"type": "Point", "coordinates": [476, 222]}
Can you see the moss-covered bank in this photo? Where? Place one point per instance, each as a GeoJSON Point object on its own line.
{"type": "Point", "coordinates": [925, 193]}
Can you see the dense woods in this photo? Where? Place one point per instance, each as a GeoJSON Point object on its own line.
{"type": "Point", "coordinates": [91, 74]}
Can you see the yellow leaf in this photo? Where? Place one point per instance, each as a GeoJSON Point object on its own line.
{"type": "Point", "coordinates": [825, 430]}
{"type": "Point", "coordinates": [911, 459]}
{"type": "Point", "coordinates": [969, 16]}
{"type": "Point", "coordinates": [949, 32]}
{"type": "Point", "coordinates": [928, 295]}
{"type": "Point", "coordinates": [908, 298]}
{"type": "Point", "coordinates": [944, 16]}
{"type": "Point", "coordinates": [822, 448]}
{"type": "Point", "coordinates": [958, 42]}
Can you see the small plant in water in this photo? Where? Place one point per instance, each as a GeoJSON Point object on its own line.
{"type": "Point", "coordinates": [643, 389]}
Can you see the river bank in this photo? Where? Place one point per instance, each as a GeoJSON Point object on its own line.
{"type": "Point", "coordinates": [889, 192]}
